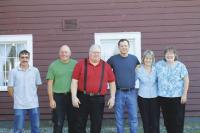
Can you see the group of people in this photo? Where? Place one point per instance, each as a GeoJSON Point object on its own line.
{"type": "Point", "coordinates": [77, 90]}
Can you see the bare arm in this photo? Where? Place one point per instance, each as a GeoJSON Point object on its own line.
{"type": "Point", "coordinates": [10, 91]}
{"type": "Point", "coordinates": [111, 101]}
{"type": "Point", "coordinates": [52, 102]}
{"type": "Point", "coordinates": [185, 91]}
{"type": "Point", "coordinates": [74, 87]}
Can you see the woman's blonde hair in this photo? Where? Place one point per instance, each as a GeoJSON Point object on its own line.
{"type": "Point", "coordinates": [148, 53]}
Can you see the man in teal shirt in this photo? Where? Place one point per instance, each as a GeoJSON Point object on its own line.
{"type": "Point", "coordinates": [59, 78]}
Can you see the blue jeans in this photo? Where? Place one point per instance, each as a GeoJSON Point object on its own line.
{"type": "Point", "coordinates": [20, 120]}
{"type": "Point", "coordinates": [126, 99]}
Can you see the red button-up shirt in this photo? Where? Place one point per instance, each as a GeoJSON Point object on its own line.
{"type": "Point", "coordinates": [93, 77]}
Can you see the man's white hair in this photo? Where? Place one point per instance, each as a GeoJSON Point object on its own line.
{"type": "Point", "coordinates": [94, 46]}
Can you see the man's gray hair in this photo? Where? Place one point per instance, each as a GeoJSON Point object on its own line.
{"type": "Point", "coordinates": [94, 46]}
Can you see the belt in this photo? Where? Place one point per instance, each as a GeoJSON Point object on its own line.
{"type": "Point", "coordinates": [90, 94]}
{"type": "Point", "coordinates": [125, 89]}
{"type": "Point", "coordinates": [66, 93]}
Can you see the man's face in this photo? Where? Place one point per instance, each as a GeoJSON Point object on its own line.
{"type": "Point", "coordinates": [24, 59]}
{"type": "Point", "coordinates": [64, 53]}
{"type": "Point", "coordinates": [123, 47]}
{"type": "Point", "coordinates": [95, 55]}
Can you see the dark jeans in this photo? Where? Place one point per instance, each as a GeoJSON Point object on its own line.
{"type": "Point", "coordinates": [92, 106]}
{"type": "Point", "coordinates": [173, 113]}
{"type": "Point", "coordinates": [63, 108]}
{"type": "Point", "coordinates": [150, 113]}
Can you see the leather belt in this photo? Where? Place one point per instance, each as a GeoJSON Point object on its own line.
{"type": "Point", "coordinates": [125, 89]}
{"type": "Point", "coordinates": [90, 94]}
{"type": "Point", "coordinates": [67, 93]}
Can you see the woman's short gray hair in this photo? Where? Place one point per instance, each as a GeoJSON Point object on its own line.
{"type": "Point", "coordinates": [148, 53]}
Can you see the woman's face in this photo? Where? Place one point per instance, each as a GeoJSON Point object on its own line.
{"type": "Point", "coordinates": [148, 60]}
{"type": "Point", "coordinates": [170, 56]}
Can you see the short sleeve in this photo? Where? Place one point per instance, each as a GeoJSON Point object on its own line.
{"type": "Point", "coordinates": [184, 71]}
{"type": "Point", "coordinates": [50, 75]}
{"type": "Point", "coordinates": [111, 76]}
{"type": "Point", "coordinates": [109, 61]}
{"type": "Point", "coordinates": [11, 79]}
{"type": "Point", "coordinates": [77, 70]}
{"type": "Point", "coordinates": [38, 78]}
{"type": "Point", "coordinates": [138, 62]}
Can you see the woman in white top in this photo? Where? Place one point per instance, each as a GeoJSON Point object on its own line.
{"type": "Point", "coordinates": [147, 94]}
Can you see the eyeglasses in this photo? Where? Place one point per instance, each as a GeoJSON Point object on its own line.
{"type": "Point", "coordinates": [96, 52]}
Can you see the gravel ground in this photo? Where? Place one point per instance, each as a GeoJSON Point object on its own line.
{"type": "Point", "coordinates": [192, 125]}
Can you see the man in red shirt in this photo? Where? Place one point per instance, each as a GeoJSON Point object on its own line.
{"type": "Point", "coordinates": [88, 88]}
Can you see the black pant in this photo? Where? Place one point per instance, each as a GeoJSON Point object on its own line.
{"type": "Point", "coordinates": [150, 113]}
{"type": "Point", "coordinates": [63, 107]}
{"type": "Point", "coordinates": [92, 106]}
{"type": "Point", "coordinates": [173, 113]}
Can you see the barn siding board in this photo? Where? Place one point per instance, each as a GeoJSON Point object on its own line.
{"type": "Point", "coordinates": [107, 24]}
{"type": "Point", "coordinates": [102, 12]}
{"type": "Point", "coordinates": [121, 5]}
{"type": "Point", "coordinates": [162, 23]}
{"type": "Point", "coordinates": [144, 29]}
{"type": "Point", "coordinates": [104, 18]}
{"type": "Point", "coordinates": [97, 5]}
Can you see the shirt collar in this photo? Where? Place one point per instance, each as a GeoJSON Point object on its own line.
{"type": "Point", "coordinates": [100, 62]}
{"type": "Point", "coordinates": [20, 69]}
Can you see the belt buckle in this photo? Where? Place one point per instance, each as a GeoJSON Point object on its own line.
{"type": "Point", "coordinates": [125, 89]}
{"type": "Point", "coordinates": [91, 94]}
